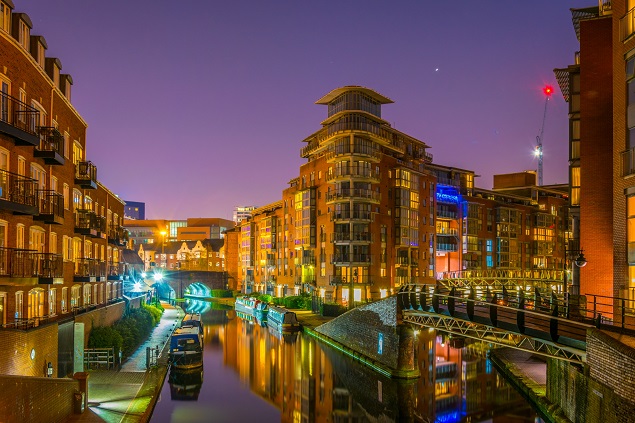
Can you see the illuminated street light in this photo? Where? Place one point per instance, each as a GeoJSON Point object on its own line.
{"type": "Point", "coordinates": [158, 276]}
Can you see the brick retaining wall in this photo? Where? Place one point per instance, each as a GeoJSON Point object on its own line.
{"type": "Point", "coordinates": [36, 399]}
{"type": "Point", "coordinates": [602, 391]}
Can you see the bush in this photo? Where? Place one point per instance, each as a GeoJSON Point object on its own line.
{"type": "Point", "coordinates": [332, 309]}
{"type": "Point", "coordinates": [128, 333]}
{"type": "Point", "coordinates": [154, 312]}
{"type": "Point", "coordinates": [105, 337]}
{"type": "Point", "coordinates": [221, 293]}
{"type": "Point", "coordinates": [266, 298]}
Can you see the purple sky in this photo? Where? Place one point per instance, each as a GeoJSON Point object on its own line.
{"type": "Point", "coordinates": [197, 106]}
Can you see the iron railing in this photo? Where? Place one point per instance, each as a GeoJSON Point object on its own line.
{"type": "Point", "coordinates": [86, 172]}
{"type": "Point", "coordinates": [90, 267]}
{"type": "Point", "coordinates": [23, 263]}
{"type": "Point", "coordinates": [18, 114]}
{"type": "Point", "coordinates": [18, 189]}
{"type": "Point", "coordinates": [51, 203]}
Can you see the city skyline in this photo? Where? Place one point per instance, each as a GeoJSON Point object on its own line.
{"type": "Point", "coordinates": [198, 109]}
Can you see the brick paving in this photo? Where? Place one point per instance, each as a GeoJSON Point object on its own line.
{"type": "Point", "coordinates": [128, 394]}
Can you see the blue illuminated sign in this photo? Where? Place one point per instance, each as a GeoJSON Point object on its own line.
{"type": "Point", "coordinates": [447, 194]}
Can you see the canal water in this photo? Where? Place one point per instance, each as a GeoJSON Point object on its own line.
{"type": "Point", "coordinates": [250, 374]}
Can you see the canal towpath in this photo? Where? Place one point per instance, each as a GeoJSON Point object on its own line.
{"type": "Point", "coordinates": [128, 394]}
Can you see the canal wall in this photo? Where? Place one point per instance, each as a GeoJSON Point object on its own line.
{"type": "Point", "coordinates": [371, 334]}
{"type": "Point", "coordinates": [602, 390]}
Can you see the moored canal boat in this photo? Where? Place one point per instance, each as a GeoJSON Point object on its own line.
{"type": "Point", "coordinates": [186, 348]}
{"type": "Point", "coordinates": [252, 306]}
{"type": "Point", "coordinates": [282, 320]}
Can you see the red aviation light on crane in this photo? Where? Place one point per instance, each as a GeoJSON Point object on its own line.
{"type": "Point", "coordinates": [548, 90]}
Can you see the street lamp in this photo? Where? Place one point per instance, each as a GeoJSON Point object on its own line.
{"type": "Point", "coordinates": [163, 233]}
{"type": "Point", "coordinates": [577, 259]}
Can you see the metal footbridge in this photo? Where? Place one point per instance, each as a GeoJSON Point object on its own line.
{"type": "Point", "coordinates": [539, 321]}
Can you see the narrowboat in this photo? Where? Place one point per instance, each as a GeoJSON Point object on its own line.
{"type": "Point", "coordinates": [252, 306]}
{"type": "Point", "coordinates": [282, 320]}
{"type": "Point", "coordinates": [194, 320]}
{"type": "Point", "coordinates": [186, 348]}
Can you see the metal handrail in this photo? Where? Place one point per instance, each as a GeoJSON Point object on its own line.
{"type": "Point", "coordinates": [18, 114]}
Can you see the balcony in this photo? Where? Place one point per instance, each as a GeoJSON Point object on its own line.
{"type": "Point", "coordinates": [447, 247]}
{"type": "Point", "coordinates": [407, 280]}
{"type": "Point", "coordinates": [346, 281]}
{"type": "Point", "coordinates": [344, 195]}
{"type": "Point", "coordinates": [447, 214]}
{"type": "Point", "coordinates": [101, 225]}
{"type": "Point", "coordinates": [627, 24]}
{"type": "Point", "coordinates": [28, 267]}
{"type": "Point", "coordinates": [18, 120]}
{"type": "Point", "coordinates": [118, 236]}
{"type": "Point", "coordinates": [89, 270]}
{"type": "Point", "coordinates": [86, 175]}
{"type": "Point", "coordinates": [304, 280]}
{"type": "Point", "coordinates": [345, 216]}
{"type": "Point", "coordinates": [386, 137]}
{"type": "Point", "coordinates": [448, 232]}
{"type": "Point", "coordinates": [628, 163]}
{"type": "Point", "coordinates": [364, 152]}
{"type": "Point", "coordinates": [51, 146]}
{"type": "Point", "coordinates": [307, 260]}
{"type": "Point", "coordinates": [406, 261]}
{"type": "Point", "coordinates": [351, 237]}
{"type": "Point", "coordinates": [18, 193]}
{"type": "Point", "coordinates": [357, 173]}
{"type": "Point", "coordinates": [351, 259]}
{"type": "Point", "coordinates": [115, 272]}
{"type": "Point", "coordinates": [51, 207]}
{"type": "Point", "coordinates": [86, 223]}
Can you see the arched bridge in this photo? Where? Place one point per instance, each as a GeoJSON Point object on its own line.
{"type": "Point", "coordinates": [198, 283]}
{"type": "Point", "coordinates": [540, 322]}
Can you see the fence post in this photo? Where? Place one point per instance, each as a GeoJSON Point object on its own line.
{"type": "Point", "coordinates": [147, 357]}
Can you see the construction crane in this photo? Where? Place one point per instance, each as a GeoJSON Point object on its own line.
{"type": "Point", "coordinates": [548, 90]}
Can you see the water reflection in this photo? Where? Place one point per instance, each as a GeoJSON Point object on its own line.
{"type": "Point", "coordinates": [185, 384]}
{"type": "Point", "coordinates": [252, 373]}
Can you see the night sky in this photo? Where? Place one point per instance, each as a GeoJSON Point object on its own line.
{"type": "Point", "coordinates": [197, 106]}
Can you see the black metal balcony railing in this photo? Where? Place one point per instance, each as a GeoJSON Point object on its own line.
{"type": "Point", "coordinates": [447, 214]}
{"type": "Point", "coordinates": [89, 269]}
{"type": "Point", "coordinates": [344, 280]}
{"type": "Point", "coordinates": [447, 231]}
{"type": "Point", "coordinates": [115, 271]}
{"type": "Point", "coordinates": [347, 215]}
{"type": "Point", "coordinates": [117, 235]}
{"type": "Point", "coordinates": [51, 207]}
{"type": "Point", "coordinates": [407, 280]}
{"type": "Point", "coordinates": [347, 194]}
{"type": "Point", "coordinates": [51, 146]}
{"type": "Point", "coordinates": [18, 193]}
{"type": "Point", "coordinates": [351, 237]}
{"type": "Point", "coordinates": [304, 280]}
{"type": "Point", "coordinates": [18, 120]}
{"type": "Point", "coordinates": [86, 175]}
{"type": "Point", "coordinates": [86, 222]}
{"type": "Point", "coordinates": [22, 263]}
{"type": "Point", "coordinates": [350, 258]}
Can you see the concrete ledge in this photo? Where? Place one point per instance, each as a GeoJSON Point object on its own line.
{"type": "Point", "coordinates": [356, 355]}
{"type": "Point", "coordinates": [532, 391]}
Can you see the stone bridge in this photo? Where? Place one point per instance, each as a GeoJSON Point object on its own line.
{"type": "Point", "coordinates": [177, 283]}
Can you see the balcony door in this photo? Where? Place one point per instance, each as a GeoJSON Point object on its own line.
{"type": "Point", "coordinates": [4, 101]}
{"type": "Point", "coordinates": [35, 306]}
{"type": "Point", "coordinates": [37, 238]}
{"type": "Point", "coordinates": [3, 311]}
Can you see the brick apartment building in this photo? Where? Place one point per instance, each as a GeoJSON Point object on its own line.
{"type": "Point", "coordinates": [60, 229]}
{"type": "Point", "coordinates": [370, 212]}
{"type": "Point", "coordinates": [600, 90]}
